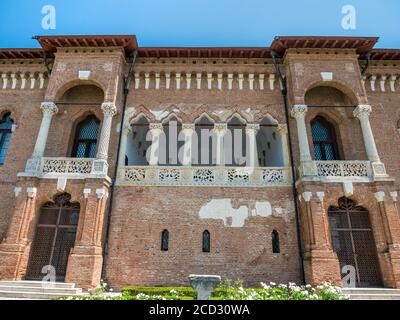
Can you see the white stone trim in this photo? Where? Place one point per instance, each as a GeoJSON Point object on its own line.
{"type": "Point", "coordinates": [31, 191]}
{"type": "Point", "coordinates": [379, 196]}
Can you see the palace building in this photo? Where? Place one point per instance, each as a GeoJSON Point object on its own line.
{"type": "Point", "coordinates": [81, 196]}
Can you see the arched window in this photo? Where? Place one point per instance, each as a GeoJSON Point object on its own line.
{"type": "Point", "coordinates": [206, 241]}
{"type": "Point", "coordinates": [164, 240]}
{"type": "Point", "coordinates": [86, 138]}
{"type": "Point", "coordinates": [5, 136]}
{"type": "Point", "coordinates": [275, 242]}
{"type": "Point", "coordinates": [324, 140]}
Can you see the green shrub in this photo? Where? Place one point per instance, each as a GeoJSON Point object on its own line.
{"type": "Point", "coordinates": [159, 291]}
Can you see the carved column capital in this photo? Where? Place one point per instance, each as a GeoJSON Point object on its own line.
{"type": "Point", "coordinates": [109, 108]}
{"type": "Point", "coordinates": [299, 111]}
{"type": "Point", "coordinates": [252, 128]}
{"type": "Point", "coordinates": [362, 111]}
{"type": "Point", "coordinates": [155, 127]}
{"type": "Point", "coordinates": [220, 128]}
{"type": "Point", "coordinates": [188, 127]}
{"type": "Point", "coordinates": [49, 108]}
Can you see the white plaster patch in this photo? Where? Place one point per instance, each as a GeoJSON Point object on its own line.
{"type": "Point", "coordinates": [232, 217]}
{"type": "Point", "coordinates": [263, 209]}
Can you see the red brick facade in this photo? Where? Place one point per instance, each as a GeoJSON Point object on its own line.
{"type": "Point", "coordinates": [123, 210]}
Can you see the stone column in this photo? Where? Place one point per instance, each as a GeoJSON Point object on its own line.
{"type": "Point", "coordinates": [299, 112]}
{"type": "Point", "coordinates": [282, 131]}
{"type": "Point", "coordinates": [155, 131]}
{"type": "Point", "coordinates": [251, 147]}
{"type": "Point", "coordinates": [109, 110]}
{"type": "Point", "coordinates": [126, 130]}
{"type": "Point", "coordinates": [362, 112]}
{"type": "Point", "coordinates": [307, 166]}
{"type": "Point", "coordinates": [219, 131]}
{"type": "Point", "coordinates": [49, 109]}
{"type": "Point", "coordinates": [188, 132]}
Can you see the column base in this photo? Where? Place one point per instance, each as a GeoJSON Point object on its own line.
{"type": "Point", "coordinates": [308, 168]}
{"type": "Point", "coordinates": [99, 167]}
{"type": "Point", "coordinates": [322, 266]}
{"type": "Point", "coordinates": [379, 171]}
{"type": "Point", "coordinates": [85, 266]}
{"type": "Point", "coordinates": [32, 166]}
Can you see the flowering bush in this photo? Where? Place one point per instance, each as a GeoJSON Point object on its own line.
{"type": "Point", "coordinates": [236, 291]}
{"type": "Point", "coordinates": [227, 290]}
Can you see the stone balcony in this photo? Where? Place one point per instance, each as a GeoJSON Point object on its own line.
{"type": "Point", "coordinates": [204, 176]}
{"type": "Point", "coordinates": [342, 171]}
{"type": "Point", "coordinates": [62, 167]}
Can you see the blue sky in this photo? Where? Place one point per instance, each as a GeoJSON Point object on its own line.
{"type": "Point", "coordinates": [199, 22]}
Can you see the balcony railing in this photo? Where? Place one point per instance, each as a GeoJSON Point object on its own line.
{"type": "Point", "coordinates": [352, 169]}
{"type": "Point", "coordinates": [66, 165]}
{"type": "Point", "coordinates": [203, 176]}
{"type": "Point", "coordinates": [56, 167]}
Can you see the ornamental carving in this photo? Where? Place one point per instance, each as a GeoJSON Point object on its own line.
{"type": "Point", "coordinates": [109, 108]}
{"type": "Point", "coordinates": [49, 108]}
{"type": "Point", "coordinates": [299, 111]}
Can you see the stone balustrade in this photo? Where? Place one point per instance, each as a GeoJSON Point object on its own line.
{"type": "Point", "coordinates": [339, 168]}
{"type": "Point", "coordinates": [203, 176]}
{"type": "Point", "coordinates": [55, 167]}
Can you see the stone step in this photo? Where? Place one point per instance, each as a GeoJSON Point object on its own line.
{"type": "Point", "coordinates": [31, 295]}
{"type": "Point", "coordinates": [366, 296]}
{"type": "Point", "coordinates": [371, 291]}
{"type": "Point", "coordinates": [39, 284]}
{"type": "Point", "coordinates": [61, 291]}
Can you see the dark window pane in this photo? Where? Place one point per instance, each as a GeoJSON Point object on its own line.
{"type": "Point", "coordinates": [86, 138]}
{"type": "Point", "coordinates": [164, 240]}
{"type": "Point", "coordinates": [323, 139]}
{"type": "Point", "coordinates": [5, 136]}
{"type": "Point", "coordinates": [329, 154]}
{"type": "Point", "coordinates": [317, 152]}
{"type": "Point", "coordinates": [206, 241]}
{"type": "Point", "coordinates": [92, 150]}
{"type": "Point", "coordinates": [275, 242]}
{"type": "Point", "coordinates": [89, 130]}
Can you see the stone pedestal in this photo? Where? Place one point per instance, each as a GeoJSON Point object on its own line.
{"type": "Point", "coordinates": [204, 285]}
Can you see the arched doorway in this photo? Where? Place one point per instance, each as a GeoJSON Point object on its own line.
{"type": "Point", "coordinates": [54, 237]}
{"type": "Point", "coordinates": [353, 241]}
